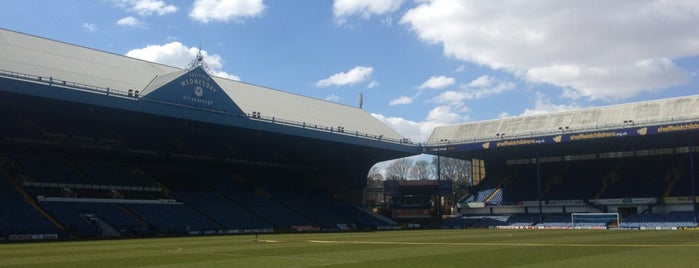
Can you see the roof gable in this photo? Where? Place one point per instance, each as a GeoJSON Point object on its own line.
{"type": "Point", "coordinates": [193, 88]}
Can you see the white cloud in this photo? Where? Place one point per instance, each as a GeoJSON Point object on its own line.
{"type": "Point", "coordinates": [373, 84]}
{"type": "Point", "coordinates": [364, 8]}
{"type": "Point", "coordinates": [333, 98]}
{"type": "Point", "coordinates": [355, 75]}
{"type": "Point", "coordinates": [147, 7]}
{"type": "Point", "coordinates": [481, 82]}
{"type": "Point", "coordinates": [224, 74]}
{"type": "Point", "coordinates": [452, 98]}
{"type": "Point", "coordinates": [444, 115]}
{"type": "Point", "coordinates": [479, 88]}
{"type": "Point", "coordinates": [178, 55]}
{"type": "Point", "coordinates": [130, 21]}
{"type": "Point", "coordinates": [401, 101]}
{"type": "Point", "coordinates": [415, 131]}
{"type": "Point", "coordinates": [599, 84]}
{"type": "Point", "coordinates": [420, 131]}
{"type": "Point", "coordinates": [437, 82]}
{"type": "Point", "coordinates": [90, 27]}
{"type": "Point", "coordinates": [543, 105]}
{"type": "Point", "coordinates": [596, 50]}
{"type": "Point", "coordinates": [225, 10]}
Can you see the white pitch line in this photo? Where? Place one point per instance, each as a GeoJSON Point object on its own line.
{"type": "Point", "coordinates": [330, 261]}
{"type": "Point", "coordinates": [503, 244]}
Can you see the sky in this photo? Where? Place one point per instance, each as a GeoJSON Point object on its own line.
{"type": "Point", "coordinates": [418, 64]}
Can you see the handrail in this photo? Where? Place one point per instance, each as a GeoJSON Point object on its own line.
{"type": "Point", "coordinates": [63, 83]}
{"type": "Point", "coordinates": [50, 81]}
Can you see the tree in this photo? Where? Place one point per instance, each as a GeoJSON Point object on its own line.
{"type": "Point", "coordinates": [453, 169]}
{"type": "Point", "coordinates": [422, 170]}
{"type": "Point", "coordinates": [456, 170]}
{"type": "Point", "coordinates": [375, 187]}
{"type": "Point", "coordinates": [374, 173]}
{"type": "Point", "coordinates": [399, 169]}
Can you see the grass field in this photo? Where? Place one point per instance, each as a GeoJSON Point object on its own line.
{"type": "Point", "coordinates": [423, 248]}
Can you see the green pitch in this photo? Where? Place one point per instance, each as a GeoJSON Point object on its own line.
{"type": "Point", "coordinates": [429, 248]}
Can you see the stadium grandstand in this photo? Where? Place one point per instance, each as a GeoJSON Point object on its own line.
{"type": "Point", "coordinates": [625, 166]}
{"type": "Point", "coordinates": [94, 144]}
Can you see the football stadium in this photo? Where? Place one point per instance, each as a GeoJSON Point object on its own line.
{"type": "Point", "coordinates": [98, 146]}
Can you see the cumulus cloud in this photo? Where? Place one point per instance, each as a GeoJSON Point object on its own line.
{"type": "Point", "coordinates": [225, 10]}
{"type": "Point", "coordinates": [333, 98]}
{"type": "Point", "coordinates": [479, 88]}
{"type": "Point", "coordinates": [444, 115]}
{"type": "Point", "coordinates": [130, 21]}
{"type": "Point", "coordinates": [401, 101]}
{"type": "Point", "coordinates": [437, 82]}
{"type": "Point", "coordinates": [90, 27]}
{"type": "Point", "coordinates": [543, 105]}
{"type": "Point", "coordinates": [147, 7]}
{"type": "Point", "coordinates": [415, 131]}
{"type": "Point", "coordinates": [364, 8]}
{"type": "Point", "coordinates": [178, 55]}
{"type": "Point", "coordinates": [596, 50]}
{"type": "Point", "coordinates": [421, 131]}
{"type": "Point", "coordinates": [355, 75]}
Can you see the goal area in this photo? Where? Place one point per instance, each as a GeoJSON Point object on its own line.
{"type": "Point", "coordinates": [594, 219]}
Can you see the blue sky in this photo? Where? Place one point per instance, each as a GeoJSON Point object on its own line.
{"type": "Point", "coordinates": [419, 64]}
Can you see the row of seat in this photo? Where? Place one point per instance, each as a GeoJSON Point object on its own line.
{"type": "Point", "coordinates": [628, 177]}
{"type": "Point", "coordinates": [201, 201]}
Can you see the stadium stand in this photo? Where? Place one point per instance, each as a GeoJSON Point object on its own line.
{"type": "Point", "coordinates": [671, 220]}
{"type": "Point", "coordinates": [633, 159]}
{"type": "Point", "coordinates": [95, 144]}
{"type": "Point", "coordinates": [17, 215]}
{"type": "Point", "coordinates": [112, 200]}
{"type": "Point", "coordinates": [523, 220]}
{"type": "Point", "coordinates": [173, 218]}
{"type": "Point", "coordinates": [221, 210]}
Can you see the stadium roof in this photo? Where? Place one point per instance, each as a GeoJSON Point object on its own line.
{"type": "Point", "coordinates": [36, 56]}
{"type": "Point", "coordinates": [666, 111]}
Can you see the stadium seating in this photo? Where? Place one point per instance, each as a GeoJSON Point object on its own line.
{"type": "Point", "coordinates": [522, 220]}
{"type": "Point", "coordinates": [628, 177]}
{"type": "Point", "coordinates": [495, 198]}
{"type": "Point", "coordinates": [112, 173]}
{"type": "Point", "coordinates": [265, 206]}
{"type": "Point", "coordinates": [482, 195]}
{"type": "Point", "coordinates": [221, 210]}
{"type": "Point", "coordinates": [213, 201]}
{"type": "Point", "coordinates": [556, 221]}
{"type": "Point", "coordinates": [490, 221]}
{"type": "Point", "coordinates": [360, 217]}
{"type": "Point", "coordinates": [17, 216]}
{"type": "Point", "coordinates": [45, 169]}
{"type": "Point", "coordinates": [672, 220]}
{"type": "Point", "coordinates": [173, 218]}
{"type": "Point", "coordinates": [659, 221]}
{"type": "Point", "coordinates": [315, 211]}
{"type": "Point", "coordinates": [640, 177]}
{"type": "Point", "coordinates": [79, 218]}
{"type": "Point", "coordinates": [458, 222]}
